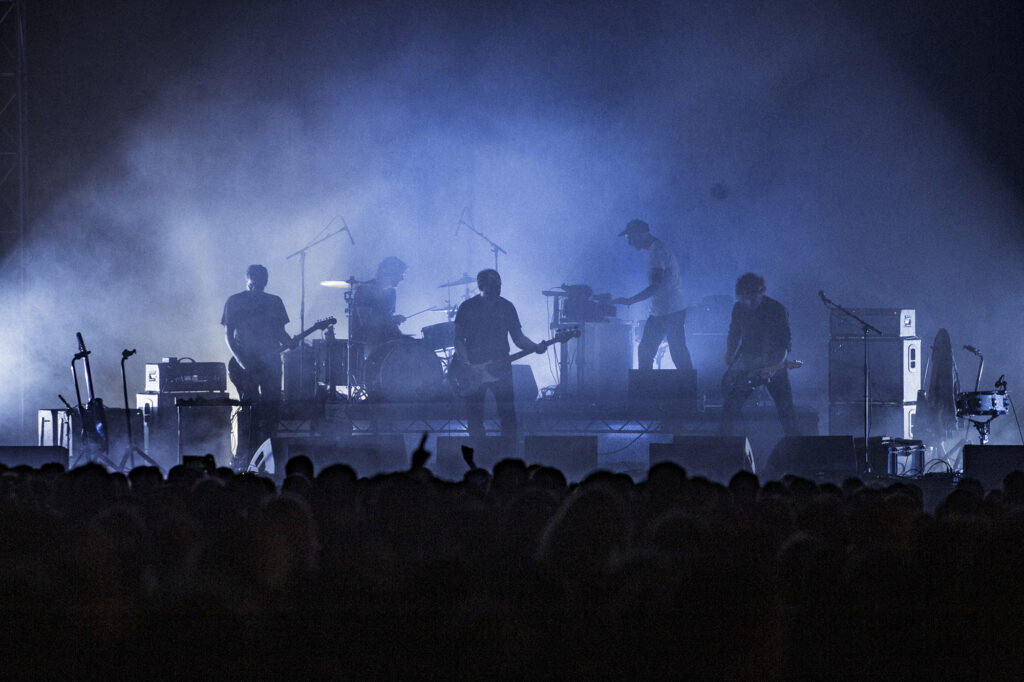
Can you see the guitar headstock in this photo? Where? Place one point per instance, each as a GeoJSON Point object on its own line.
{"type": "Point", "coordinates": [324, 323]}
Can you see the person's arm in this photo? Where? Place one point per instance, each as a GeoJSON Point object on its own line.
{"type": "Point", "coordinates": [460, 343]}
{"type": "Point", "coordinates": [656, 276]}
{"type": "Point", "coordinates": [525, 343]}
{"type": "Point", "coordinates": [782, 340]}
{"type": "Point", "coordinates": [733, 340]}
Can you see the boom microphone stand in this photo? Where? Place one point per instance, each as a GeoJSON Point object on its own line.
{"type": "Point", "coordinates": [494, 247]}
{"type": "Point", "coordinates": [865, 327]}
{"type": "Point", "coordinates": [301, 253]}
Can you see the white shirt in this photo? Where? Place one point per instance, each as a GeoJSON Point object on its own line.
{"type": "Point", "coordinates": [668, 298]}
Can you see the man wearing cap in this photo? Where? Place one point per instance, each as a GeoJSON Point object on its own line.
{"type": "Point", "coordinates": [373, 305]}
{"type": "Point", "coordinates": [667, 317]}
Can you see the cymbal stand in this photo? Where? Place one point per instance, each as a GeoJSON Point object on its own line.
{"type": "Point", "coordinates": [132, 452]}
{"type": "Point", "coordinates": [301, 253]}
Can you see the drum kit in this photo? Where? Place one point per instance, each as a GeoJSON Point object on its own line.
{"type": "Point", "coordinates": [981, 407]}
{"type": "Point", "coordinates": [402, 369]}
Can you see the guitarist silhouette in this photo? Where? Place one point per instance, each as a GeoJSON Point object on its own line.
{"type": "Point", "coordinates": [254, 330]}
{"type": "Point", "coordinates": [483, 325]}
{"type": "Point", "coordinates": [759, 339]}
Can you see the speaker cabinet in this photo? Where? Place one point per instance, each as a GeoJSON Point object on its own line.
{"type": "Point", "coordinates": [449, 464]}
{"type": "Point", "coordinates": [716, 458]}
{"type": "Point", "coordinates": [34, 456]}
{"type": "Point", "coordinates": [990, 463]}
{"type": "Point", "coordinates": [822, 458]}
{"type": "Point", "coordinates": [203, 428]}
{"type": "Point", "coordinates": [575, 456]}
{"type": "Point", "coordinates": [895, 368]}
{"type": "Point", "coordinates": [657, 392]}
{"type": "Point", "coordinates": [368, 455]}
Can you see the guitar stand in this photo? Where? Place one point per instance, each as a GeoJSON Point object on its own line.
{"type": "Point", "coordinates": [90, 414]}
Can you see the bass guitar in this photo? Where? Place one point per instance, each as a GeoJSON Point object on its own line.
{"type": "Point", "coordinates": [754, 373]}
{"type": "Point", "coordinates": [255, 365]}
{"type": "Point", "coordinates": [466, 378]}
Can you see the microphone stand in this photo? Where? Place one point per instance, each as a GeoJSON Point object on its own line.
{"type": "Point", "coordinates": [301, 253]}
{"type": "Point", "coordinates": [494, 247]}
{"type": "Point", "coordinates": [131, 452]}
{"type": "Point", "coordinates": [866, 328]}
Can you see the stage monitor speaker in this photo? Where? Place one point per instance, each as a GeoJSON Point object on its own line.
{"type": "Point", "coordinates": [524, 385]}
{"type": "Point", "coordinates": [34, 456]}
{"type": "Point", "coordinates": [575, 456]}
{"type": "Point", "coordinates": [716, 458]}
{"type": "Point", "coordinates": [822, 458]}
{"type": "Point", "coordinates": [990, 463]}
{"type": "Point", "coordinates": [368, 455]}
{"type": "Point", "coordinates": [662, 391]}
{"type": "Point", "coordinates": [895, 420]}
{"type": "Point", "coordinates": [895, 367]}
{"type": "Point", "coordinates": [448, 462]}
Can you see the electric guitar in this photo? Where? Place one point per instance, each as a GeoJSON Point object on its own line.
{"type": "Point", "coordinates": [466, 378]}
{"type": "Point", "coordinates": [254, 365]}
{"type": "Point", "coordinates": [754, 373]}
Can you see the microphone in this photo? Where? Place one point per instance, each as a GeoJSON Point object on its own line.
{"type": "Point", "coordinates": [972, 349]}
{"type": "Point", "coordinates": [125, 354]}
{"type": "Point", "coordinates": [822, 295]}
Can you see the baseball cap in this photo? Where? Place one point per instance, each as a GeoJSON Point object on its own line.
{"type": "Point", "coordinates": [634, 226]}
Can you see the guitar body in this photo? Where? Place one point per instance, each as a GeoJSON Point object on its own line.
{"type": "Point", "coordinates": [754, 373]}
{"type": "Point", "coordinates": [257, 368]}
{"type": "Point", "coordinates": [467, 378]}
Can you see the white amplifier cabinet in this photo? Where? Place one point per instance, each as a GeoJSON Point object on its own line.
{"type": "Point", "coordinates": [895, 369]}
{"type": "Point", "coordinates": [600, 360]}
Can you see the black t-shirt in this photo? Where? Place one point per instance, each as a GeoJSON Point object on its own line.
{"type": "Point", "coordinates": [257, 319]}
{"type": "Point", "coordinates": [761, 333]}
{"type": "Point", "coordinates": [485, 324]}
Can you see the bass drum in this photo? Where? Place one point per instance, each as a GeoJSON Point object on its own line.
{"type": "Point", "coordinates": [403, 370]}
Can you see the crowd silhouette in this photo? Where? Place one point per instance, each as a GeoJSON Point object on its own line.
{"type": "Point", "coordinates": [512, 573]}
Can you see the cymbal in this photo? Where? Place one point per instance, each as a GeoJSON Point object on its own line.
{"type": "Point", "coordinates": [465, 279]}
{"type": "Point", "coordinates": [335, 284]}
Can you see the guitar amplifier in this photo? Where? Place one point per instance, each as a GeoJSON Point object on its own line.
{"type": "Point", "coordinates": [898, 322]}
{"type": "Point", "coordinates": [180, 375]}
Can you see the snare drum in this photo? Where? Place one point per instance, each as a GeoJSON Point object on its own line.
{"type": "Point", "coordinates": [403, 370]}
{"type": "Point", "coordinates": [982, 404]}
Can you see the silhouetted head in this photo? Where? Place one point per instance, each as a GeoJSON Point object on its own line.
{"type": "Point", "coordinates": [750, 290]}
{"type": "Point", "coordinates": [489, 282]}
{"type": "Point", "coordinates": [256, 278]}
{"type": "Point", "coordinates": [391, 271]}
{"type": "Point", "coordinates": [638, 234]}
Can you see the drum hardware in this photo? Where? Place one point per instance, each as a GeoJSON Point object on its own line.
{"type": "Point", "coordinates": [335, 284]}
{"type": "Point", "coordinates": [979, 404]}
{"type": "Point", "coordinates": [465, 279]}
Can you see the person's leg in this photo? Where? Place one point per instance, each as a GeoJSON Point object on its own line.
{"type": "Point", "coordinates": [654, 332]}
{"type": "Point", "coordinates": [732, 410]}
{"type": "Point", "coordinates": [676, 333]}
{"type": "Point", "coordinates": [782, 394]}
{"type": "Point", "coordinates": [504, 397]}
{"type": "Point", "coordinates": [475, 416]}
